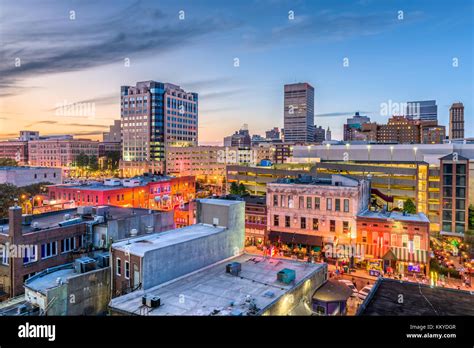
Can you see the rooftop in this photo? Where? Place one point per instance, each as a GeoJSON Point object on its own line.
{"type": "Point", "coordinates": [144, 180]}
{"type": "Point", "coordinates": [212, 291]}
{"type": "Point", "coordinates": [394, 215]}
{"type": "Point", "coordinates": [333, 180]}
{"type": "Point", "coordinates": [26, 168]}
{"type": "Point", "coordinates": [417, 300]}
{"type": "Point", "coordinates": [141, 245]}
{"type": "Point", "coordinates": [52, 219]}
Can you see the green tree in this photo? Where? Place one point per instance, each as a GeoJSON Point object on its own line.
{"type": "Point", "coordinates": [7, 162]}
{"type": "Point", "coordinates": [409, 207]}
{"type": "Point", "coordinates": [471, 217]}
{"type": "Point", "coordinates": [234, 188]}
{"type": "Point", "coordinates": [82, 160]}
{"type": "Point", "coordinates": [93, 163]}
{"type": "Point", "coordinates": [113, 159]}
{"type": "Point", "coordinates": [242, 189]}
{"type": "Point", "coordinates": [8, 194]}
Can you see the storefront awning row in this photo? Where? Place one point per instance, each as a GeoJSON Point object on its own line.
{"type": "Point", "coordinates": [405, 254]}
{"type": "Point", "coordinates": [295, 238]}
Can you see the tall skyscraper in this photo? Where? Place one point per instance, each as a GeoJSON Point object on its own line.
{"type": "Point", "coordinates": [155, 115]}
{"type": "Point", "coordinates": [423, 110]}
{"type": "Point", "coordinates": [456, 121]}
{"type": "Point", "coordinates": [299, 112]}
{"type": "Point", "coordinates": [328, 135]}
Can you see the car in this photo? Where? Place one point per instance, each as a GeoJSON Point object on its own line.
{"type": "Point", "coordinates": [364, 292]}
{"type": "Point", "coordinates": [351, 286]}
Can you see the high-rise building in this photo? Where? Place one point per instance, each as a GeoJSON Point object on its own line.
{"type": "Point", "coordinates": [319, 134]}
{"type": "Point", "coordinates": [423, 110]}
{"type": "Point", "coordinates": [155, 115]}
{"type": "Point", "coordinates": [353, 127]}
{"type": "Point", "coordinates": [328, 135]}
{"type": "Point", "coordinates": [114, 135]}
{"type": "Point", "coordinates": [299, 112]}
{"type": "Point", "coordinates": [456, 121]}
{"type": "Point", "coordinates": [239, 139]}
{"type": "Point", "coordinates": [272, 134]}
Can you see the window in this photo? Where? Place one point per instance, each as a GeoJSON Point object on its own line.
{"type": "Point", "coordinates": [315, 224]}
{"type": "Point", "coordinates": [118, 267]}
{"type": "Point", "coordinates": [49, 250]}
{"type": "Point", "coordinates": [67, 245]}
{"type": "Point", "coordinates": [338, 205]}
{"type": "Point", "coordinates": [394, 240]}
{"type": "Point", "coordinates": [301, 202]}
{"type": "Point", "coordinates": [317, 203]}
{"type": "Point", "coordinates": [328, 203]}
{"type": "Point", "coordinates": [308, 203]}
{"type": "Point", "coordinates": [282, 200]}
{"type": "Point", "coordinates": [29, 254]}
{"type": "Point", "coordinates": [4, 251]}
{"type": "Point", "coordinates": [127, 269]}
{"type": "Point", "coordinates": [303, 223]}
{"type": "Point", "coordinates": [405, 241]}
{"type": "Point", "coordinates": [416, 242]}
{"type": "Point", "coordinates": [345, 227]}
{"type": "Point", "coordinates": [276, 220]}
{"type": "Point", "coordinates": [332, 225]}
{"type": "Point", "coordinates": [346, 206]}
{"type": "Point", "coordinates": [275, 200]}
{"type": "Point", "coordinates": [287, 221]}
{"type": "Point", "coordinates": [364, 236]}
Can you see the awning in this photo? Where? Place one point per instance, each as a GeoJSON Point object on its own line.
{"type": "Point", "coordinates": [295, 238]}
{"type": "Point", "coordinates": [407, 255]}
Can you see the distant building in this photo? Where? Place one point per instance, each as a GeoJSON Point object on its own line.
{"type": "Point", "coordinates": [24, 176]}
{"type": "Point", "coordinates": [353, 127]}
{"type": "Point", "coordinates": [400, 130]}
{"type": "Point", "coordinates": [257, 139]}
{"type": "Point", "coordinates": [26, 135]}
{"type": "Point", "coordinates": [60, 152]}
{"type": "Point", "coordinates": [423, 110]}
{"type": "Point", "coordinates": [328, 135]}
{"type": "Point", "coordinates": [15, 150]}
{"type": "Point", "coordinates": [114, 135]}
{"type": "Point", "coordinates": [272, 134]}
{"type": "Point", "coordinates": [319, 134]}
{"type": "Point", "coordinates": [456, 121]}
{"type": "Point", "coordinates": [240, 138]}
{"type": "Point", "coordinates": [299, 112]}
{"type": "Point", "coordinates": [433, 134]}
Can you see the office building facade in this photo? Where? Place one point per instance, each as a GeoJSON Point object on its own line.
{"type": "Point", "coordinates": [299, 112]}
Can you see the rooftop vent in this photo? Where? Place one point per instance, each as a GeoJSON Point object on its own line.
{"type": "Point", "coordinates": [286, 275]}
{"type": "Point", "coordinates": [151, 301]}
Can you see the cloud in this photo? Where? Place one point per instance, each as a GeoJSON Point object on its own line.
{"type": "Point", "coordinates": [330, 25]}
{"type": "Point", "coordinates": [49, 122]}
{"type": "Point", "coordinates": [56, 46]}
{"type": "Point", "coordinates": [221, 94]}
{"type": "Point", "coordinates": [341, 113]}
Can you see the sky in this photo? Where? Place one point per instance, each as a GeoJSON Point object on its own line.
{"type": "Point", "coordinates": [358, 55]}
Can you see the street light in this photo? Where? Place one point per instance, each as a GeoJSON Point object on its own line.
{"type": "Point", "coordinates": [327, 151]}
{"type": "Point", "coordinates": [414, 151]}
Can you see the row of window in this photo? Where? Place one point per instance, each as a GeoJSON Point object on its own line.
{"type": "Point", "coordinates": [308, 203]}
{"type": "Point", "coordinates": [118, 268]}
{"type": "Point", "coordinates": [395, 240]}
{"type": "Point", "coordinates": [309, 223]}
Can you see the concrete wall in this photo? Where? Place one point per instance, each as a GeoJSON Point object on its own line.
{"type": "Point", "coordinates": [120, 229]}
{"type": "Point", "coordinates": [162, 265]}
{"type": "Point", "coordinates": [26, 176]}
{"type": "Point", "coordinates": [303, 291]}
{"type": "Point", "coordinates": [83, 294]}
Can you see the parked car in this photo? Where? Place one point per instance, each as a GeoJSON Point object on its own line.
{"type": "Point", "coordinates": [350, 285]}
{"type": "Point", "coordinates": [364, 292]}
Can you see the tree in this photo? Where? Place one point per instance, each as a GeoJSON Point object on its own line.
{"type": "Point", "coordinates": [93, 163]}
{"type": "Point", "coordinates": [8, 162]}
{"type": "Point", "coordinates": [409, 207]}
{"type": "Point", "coordinates": [234, 188]}
{"type": "Point", "coordinates": [82, 160]}
{"type": "Point", "coordinates": [242, 189]}
{"type": "Point", "coordinates": [8, 194]}
{"type": "Point", "coordinates": [471, 217]}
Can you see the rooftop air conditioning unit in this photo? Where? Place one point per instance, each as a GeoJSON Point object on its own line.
{"type": "Point", "coordinates": [84, 264]}
{"type": "Point", "coordinates": [151, 301]}
{"type": "Point", "coordinates": [103, 260]}
{"type": "Point", "coordinates": [233, 268]}
{"type": "Point", "coordinates": [27, 219]}
{"type": "Point", "coordinates": [84, 210]}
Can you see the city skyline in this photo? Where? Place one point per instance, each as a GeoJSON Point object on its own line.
{"type": "Point", "coordinates": [89, 57]}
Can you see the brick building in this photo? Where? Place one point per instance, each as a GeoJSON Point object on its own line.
{"type": "Point", "coordinates": [15, 150]}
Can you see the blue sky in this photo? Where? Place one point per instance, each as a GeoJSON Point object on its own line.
{"type": "Point", "coordinates": [82, 60]}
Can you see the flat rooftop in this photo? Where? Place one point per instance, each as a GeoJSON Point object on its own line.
{"type": "Point", "coordinates": [7, 168]}
{"type": "Point", "coordinates": [144, 180]}
{"type": "Point", "coordinates": [417, 300]}
{"type": "Point", "coordinates": [212, 291]}
{"type": "Point", "coordinates": [140, 245]}
{"type": "Point", "coordinates": [46, 281]}
{"type": "Point", "coordinates": [394, 215]}
{"type": "Point", "coordinates": [52, 219]}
